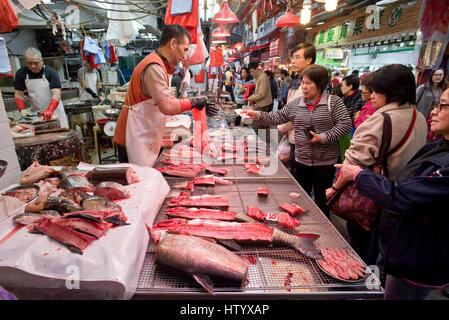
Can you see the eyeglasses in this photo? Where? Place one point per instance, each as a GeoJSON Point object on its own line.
{"type": "Point", "coordinates": [440, 106]}
{"type": "Point", "coordinates": [295, 58]}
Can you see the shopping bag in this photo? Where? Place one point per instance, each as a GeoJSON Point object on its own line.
{"type": "Point", "coordinates": [8, 19]}
{"type": "Point", "coordinates": [283, 150]}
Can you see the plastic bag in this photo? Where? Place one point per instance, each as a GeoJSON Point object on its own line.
{"type": "Point", "coordinates": [8, 19]}
{"type": "Point", "coordinates": [283, 151]}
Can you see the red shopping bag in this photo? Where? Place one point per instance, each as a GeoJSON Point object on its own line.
{"type": "Point", "coordinates": [8, 19]}
{"type": "Point", "coordinates": [199, 78]}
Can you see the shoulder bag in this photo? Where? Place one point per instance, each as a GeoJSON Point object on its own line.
{"type": "Point", "coordinates": [352, 206]}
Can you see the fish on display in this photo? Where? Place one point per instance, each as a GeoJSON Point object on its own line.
{"type": "Point", "coordinates": [36, 172]}
{"type": "Point", "coordinates": [73, 183]}
{"type": "Point", "coordinates": [61, 205]}
{"type": "Point", "coordinates": [71, 171]}
{"type": "Point", "coordinates": [219, 171]}
{"type": "Point", "coordinates": [122, 175]}
{"type": "Point", "coordinates": [89, 227]}
{"type": "Point", "coordinates": [114, 217]}
{"type": "Point", "coordinates": [248, 232]}
{"type": "Point", "coordinates": [204, 201]}
{"type": "Point", "coordinates": [95, 203]}
{"type": "Point", "coordinates": [181, 170]}
{"type": "Point", "coordinates": [283, 219]}
{"type": "Point", "coordinates": [75, 241]}
{"type": "Point", "coordinates": [207, 180]}
{"type": "Point", "coordinates": [186, 185]}
{"type": "Point", "coordinates": [111, 190]}
{"type": "Point", "coordinates": [293, 209]}
{"type": "Point", "coordinates": [262, 192]}
{"type": "Point", "coordinates": [32, 217]}
{"type": "Point", "coordinates": [201, 259]}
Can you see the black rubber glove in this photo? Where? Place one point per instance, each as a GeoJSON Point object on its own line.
{"type": "Point", "coordinates": [92, 93]}
{"type": "Point", "coordinates": [200, 102]}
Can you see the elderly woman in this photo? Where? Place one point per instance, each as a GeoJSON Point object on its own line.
{"type": "Point", "coordinates": [318, 127]}
{"type": "Point", "coordinates": [415, 223]}
{"type": "Point", "coordinates": [393, 91]}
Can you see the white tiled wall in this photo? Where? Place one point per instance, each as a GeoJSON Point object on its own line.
{"type": "Point", "coordinates": [7, 151]}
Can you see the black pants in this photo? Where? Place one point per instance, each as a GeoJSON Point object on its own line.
{"type": "Point", "coordinates": [230, 89]}
{"type": "Point", "coordinates": [292, 159]}
{"type": "Point", "coordinates": [365, 243]}
{"type": "Point", "coordinates": [122, 155]}
{"type": "Point", "coordinates": [319, 178]}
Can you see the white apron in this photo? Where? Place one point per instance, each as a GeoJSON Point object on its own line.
{"type": "Point", "coordinates": [90, 79]}
{"type": "Point", "coordinates": [40, 96]}
{"type": "Point", "coordinates": [144, 130]}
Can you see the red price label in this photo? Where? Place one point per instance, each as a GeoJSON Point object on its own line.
{"type": "Point", "coordinates": [272, 217]}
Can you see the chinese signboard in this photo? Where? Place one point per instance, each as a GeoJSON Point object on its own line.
{"type": "Point", "coordinates": [391, 18]}
{"type": "Point", "coordinates": [274, 48]}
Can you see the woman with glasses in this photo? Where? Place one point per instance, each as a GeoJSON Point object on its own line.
{"type": "Point", "coordinates": [429, 93]}
{"type": "Point", "coordinates": [417, 259]}
{"type": "Point", "coordinates": [393, 91]}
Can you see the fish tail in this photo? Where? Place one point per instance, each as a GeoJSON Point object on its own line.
{"type": "Point", "coordinates": [303, 245]}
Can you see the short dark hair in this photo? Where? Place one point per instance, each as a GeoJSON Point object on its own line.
{"type": "Point", "coordinates": [352, 80]}
{"type": "Point", "coordinates": [442, 84]}
{"type": "Point", "coordinates": [269, 74]}
{"type": "Point", "coordinates": [309, 51]}
{"type": "Point", "coordinates": [284, 72]}
{"type": "Point", "coordinates": [318, 75]}
{"type": "Point", "coordinates": [247, 71]}
{"type": "Point", "coordinates": [253, 65]}
{"type": "Point", "coordinates": [337, 90]}
{"type": "Point", "coordinates": [396, 81]}
{"type": "Point", "coordinates": [174, 31]}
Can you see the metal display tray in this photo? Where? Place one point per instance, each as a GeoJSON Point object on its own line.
{"type": "Point", "coordinates": [274, 271]}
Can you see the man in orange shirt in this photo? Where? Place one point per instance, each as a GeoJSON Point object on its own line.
{"type": "Point", "coordinates": [149, 100]}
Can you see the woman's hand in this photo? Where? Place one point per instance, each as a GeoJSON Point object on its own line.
{"type": "Point", "coordinates": [330, 193]}
{"type": "Point", "coordinates": [316, 137]}
{"type": "Point", "coordinates": [249, 113]}
{"type": "Point", "coordinates": [347, 172]}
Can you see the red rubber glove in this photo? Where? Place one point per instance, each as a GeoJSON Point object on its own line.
{"type": "Point", "coordinates": [51, 108]}
{"type": "Point", "coordinates": [20, 104]}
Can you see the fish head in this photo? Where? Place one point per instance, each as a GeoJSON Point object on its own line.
{"type": "Point", "coordinates": [101, 204]}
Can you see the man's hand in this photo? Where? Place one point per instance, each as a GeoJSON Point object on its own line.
{"type": "Point", "coordinates": [47, 114]}
{"type": "Point", "coordinates": [316, 137]}
{"type": "Point", "coordinates": [200, 102]}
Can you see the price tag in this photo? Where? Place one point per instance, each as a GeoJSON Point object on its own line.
{"type": "Point", "coordinates": [271, 217]}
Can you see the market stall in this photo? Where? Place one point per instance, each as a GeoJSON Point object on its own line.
{"type": "Point", "coordinates": [274, 271]}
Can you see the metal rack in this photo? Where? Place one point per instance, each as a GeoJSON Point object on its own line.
{"type": "Point", "coordinates": [274, 271]}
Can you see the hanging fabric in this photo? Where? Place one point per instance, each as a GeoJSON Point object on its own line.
{"type": "Point", "coordinates": [8, 19]}
{"type": "Point", "coordinates": [113, 58]}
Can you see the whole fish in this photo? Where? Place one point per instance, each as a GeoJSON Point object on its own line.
{"type": "Point", "coordinates": [73, 183]}
{"type": "Point", "coordinates": [201, 259]}
{"type": "Point", "coordinates": [61, 205]}
{"type": "Point", "coordinates": [95, 203]}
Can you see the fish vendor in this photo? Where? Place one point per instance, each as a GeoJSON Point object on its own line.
{"type": "Point", "coordinates": [149, 100]}
{"type": "Point", "coordinates": [43, 86]}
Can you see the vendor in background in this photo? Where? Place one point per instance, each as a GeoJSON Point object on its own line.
{"type": "Point", "coordinates": [89, 79]}
{"type": "Point", "coordinates": [240, 86]}
{"type": "Point", "coordinates": [149, 100]}
{"type": "Point", "coordinates": [229, 81]}
{"type": "Point", "coordinates": [43, 86]}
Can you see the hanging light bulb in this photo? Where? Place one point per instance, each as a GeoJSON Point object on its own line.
{"type": "Point", "coordinates": [221, 32]}
{"type": "Point", "coordinates": [307, 4]}
{"type": "Point", "coordinates": [219, 40]}
{"type": "Point", "coordinates": [287, 20]}
{"type": "Point", "coordinates": [330, 5]}
{"type": "Point", "coordinates": [305, 15]}
{"type": "Point", "coordinates": [225, 15]}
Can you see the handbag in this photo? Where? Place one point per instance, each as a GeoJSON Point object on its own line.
{"type": "Point", "coordinates": [354, 207]}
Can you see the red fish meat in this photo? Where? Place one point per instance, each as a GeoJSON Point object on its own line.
{"type": "Point", "coordinates": [204, 201]}
{"type": "Point", "coordinates": [208, 180]}
{"type": "Point", "coordinates": [256, 213]}
{"type": "Point", "coordinates": [262, 192]}
{"type": "Point", "coordinates": [181, 170]}
{"type": "Point", "coordinates": [222, 181]}
{"type": "Point", "coordinates": [36, 172]}
{"type": "Point", "coordinates": [286, 221]}
{"type": "Point", "coordinates": [223, 230]}
{"type": "Point", "coordinates": [89, 227]}
{"type": "Point", "coordinates": [253, 170]}
{"type": "Point", "coordinates": [74, 240]}
{"type": "Point", "coordinates": [114, 217]}
{"type": "Point", "coordinates": [283, 219]}
{"type": "Point", "coordinates": [186, 185]}
{"type": "Point", "coordinates": [195, 213]}
{"type": "Point", "coordinates": [293, 209]}
{"type": "Point", "coordinates": [213, 170]}
{"type": "Point", "coordinates": [111, 190]}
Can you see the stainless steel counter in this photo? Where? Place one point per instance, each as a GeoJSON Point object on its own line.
{"type": "Point", "coordinates": [269, 266]}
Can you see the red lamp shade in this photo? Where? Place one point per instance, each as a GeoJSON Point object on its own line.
{"type": "Point", "coordinates": [288, 20]}
{"type": "Point", "coordinates": [221, 32]}
{"type": "Point", "coordinates": [238, 45]}
{"type": "Point", "coordinates": [225, 15]}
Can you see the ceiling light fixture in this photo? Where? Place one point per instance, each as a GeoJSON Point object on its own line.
{"type": "Point", "coordinates": [331, 5]}
{"type": "Point", "coordinates": [225, 15]}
